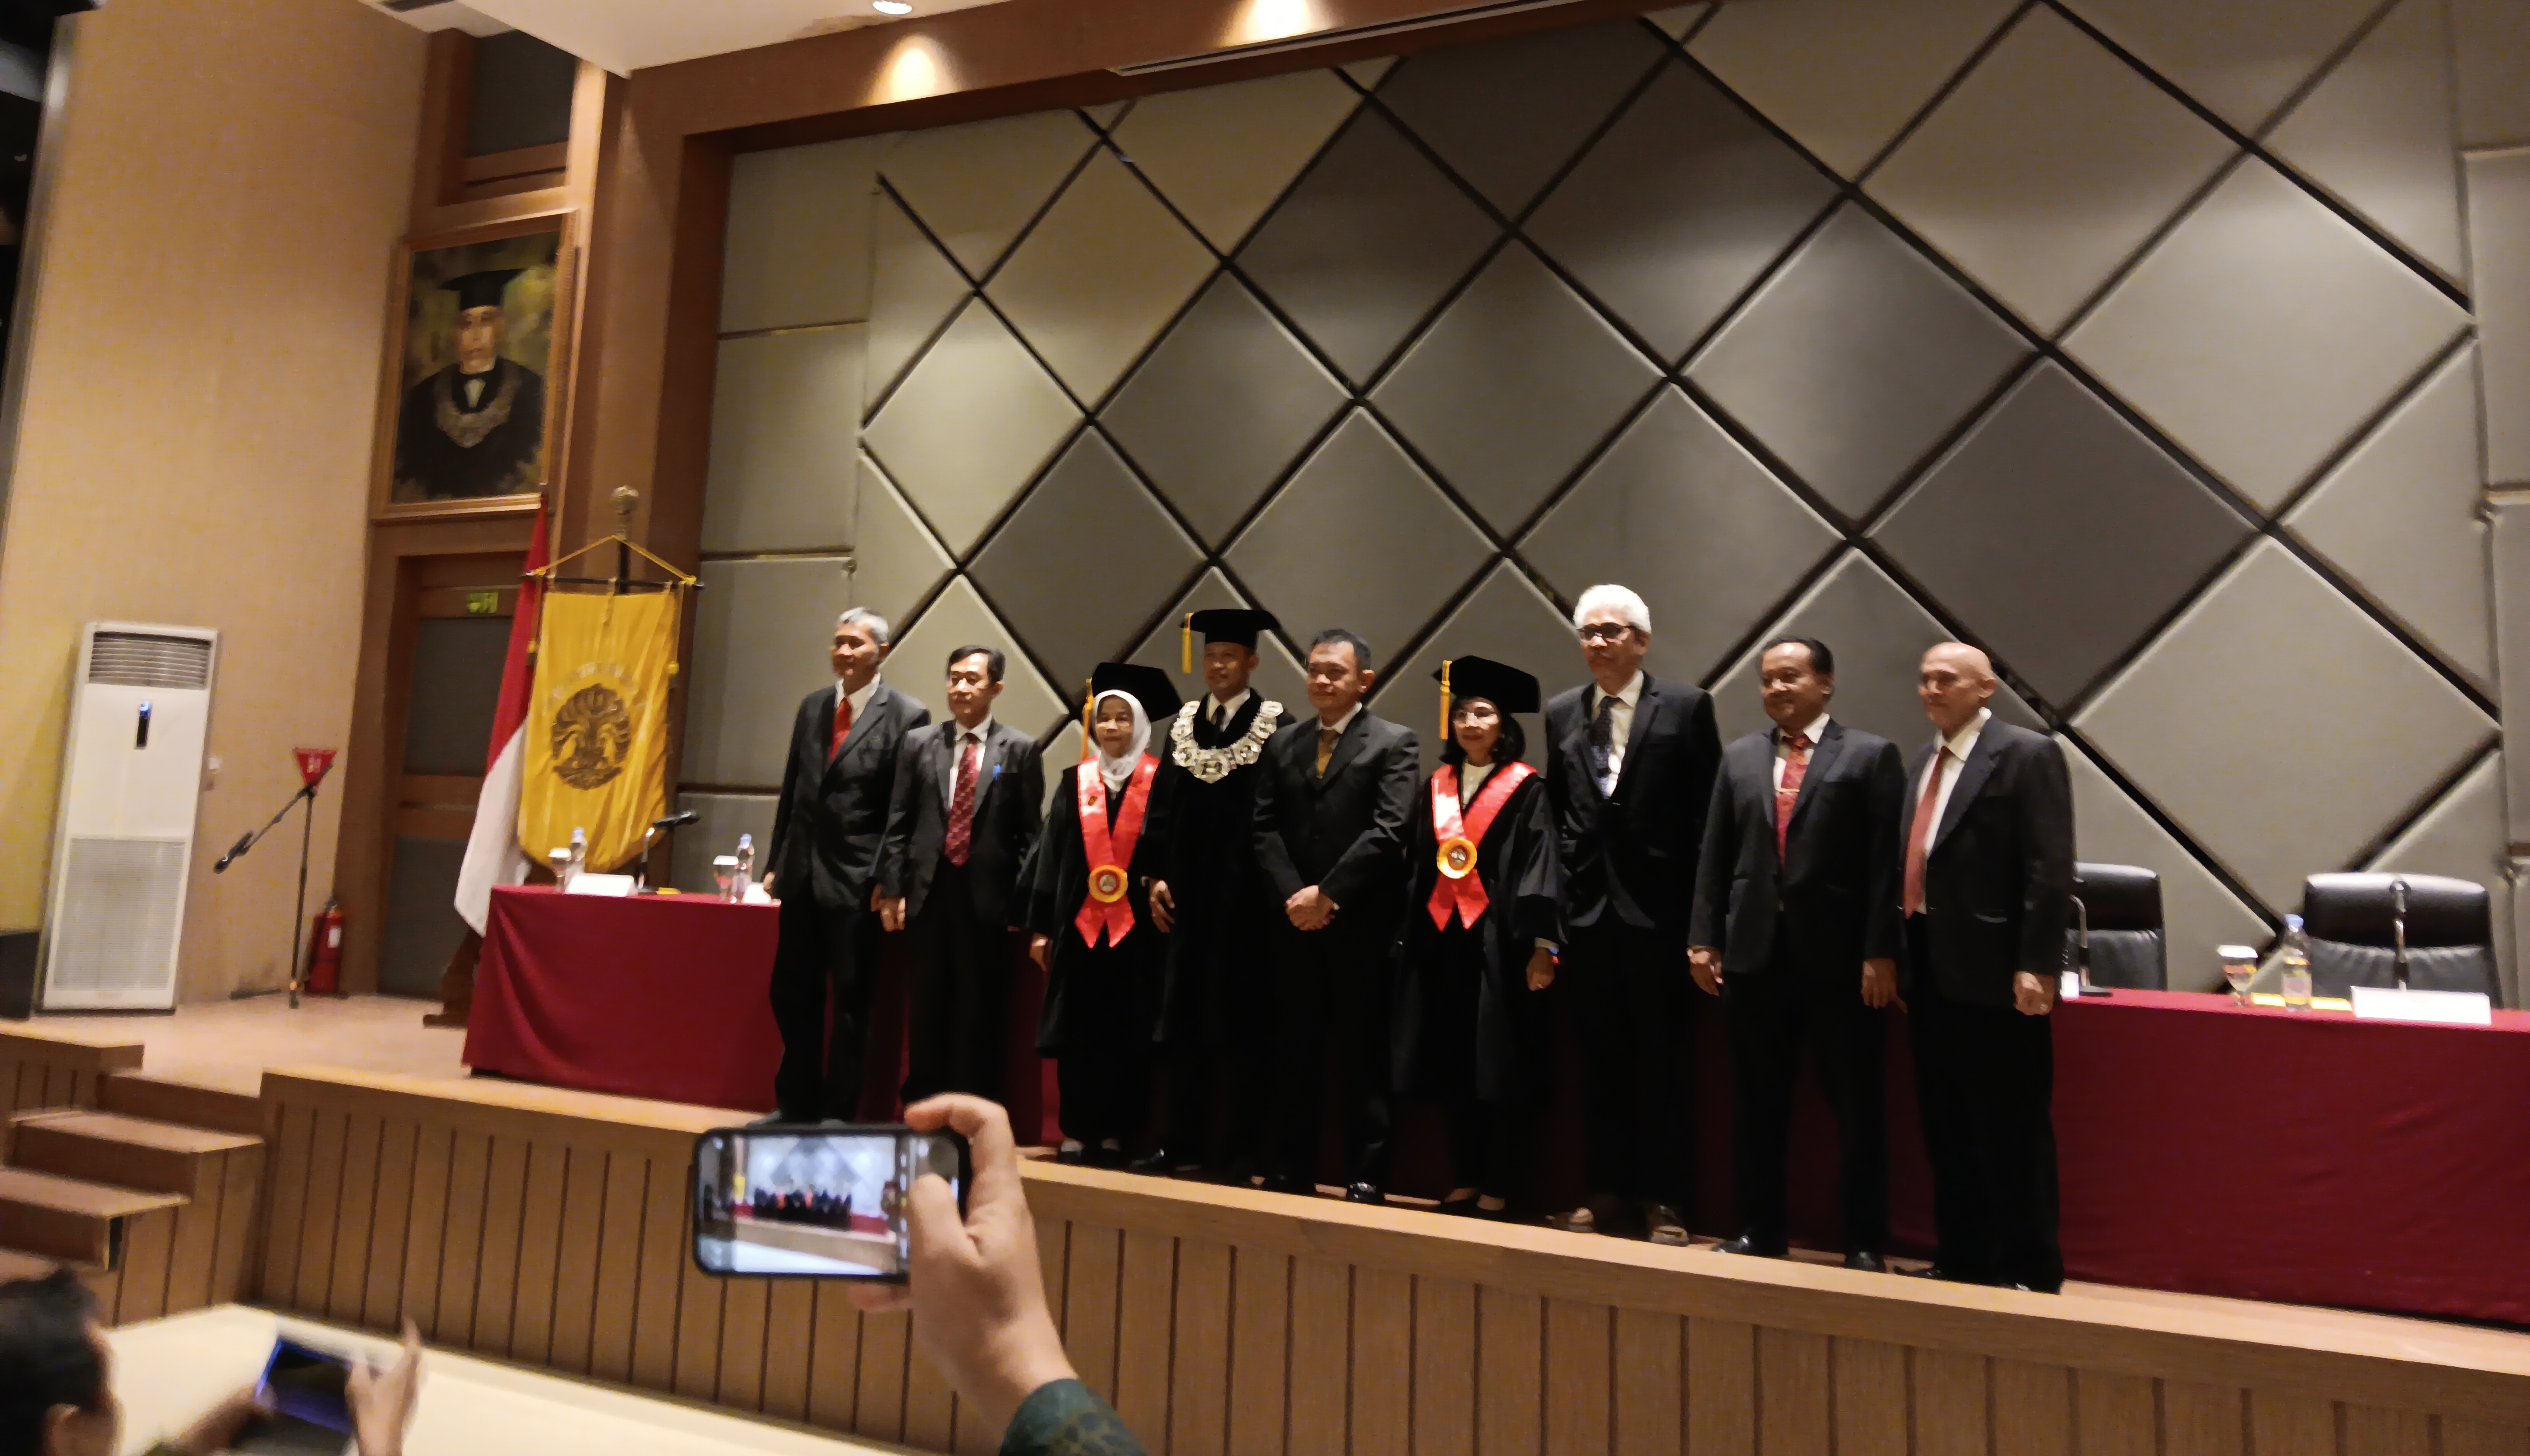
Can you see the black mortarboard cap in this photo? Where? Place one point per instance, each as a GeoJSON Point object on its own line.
{"type": "Point", "coordinates": [1506, 688]}
{"type": "Point", "coordinates": [482, 290]}
{"type": "Point", "coordinates": [1241, 625]}
{"type": "Point", "coordinates": [1157, 695]}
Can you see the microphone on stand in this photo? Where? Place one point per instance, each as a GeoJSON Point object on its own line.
{"type": "Point", "coordinates": [245, 841]}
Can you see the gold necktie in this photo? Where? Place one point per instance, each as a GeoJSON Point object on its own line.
{"type": "Point", "coordinates": [1327, 747]}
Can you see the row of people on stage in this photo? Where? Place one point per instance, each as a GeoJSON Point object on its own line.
{"type": "Point", "coordinates": [1235, 893]}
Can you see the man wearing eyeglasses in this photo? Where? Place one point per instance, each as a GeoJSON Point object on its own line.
{"type": "Point", "coordinates": [1629, 772]}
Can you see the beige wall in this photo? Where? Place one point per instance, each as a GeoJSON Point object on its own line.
{"type": "Point", "coordinates": [228, 182]}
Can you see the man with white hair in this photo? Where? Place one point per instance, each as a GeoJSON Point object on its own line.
{"type": "Point", "coordinates": [1630, 768]}
{"type": "Point", "coordinates": [823, 856]}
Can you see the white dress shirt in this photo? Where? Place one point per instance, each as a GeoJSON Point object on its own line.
{"type": "Point", "coordinates": [1219, 714]}
{"type": "Point", "coordinates": [1620, 726]}
{"type": "Point", "coordinates": [1472, 780]}
{"type": "Point", "coordinates": [859, 699]}
{"type": "Point", "coordinates": [1950, 765]}
{"type": "Point", "coordinates": [1343, 723]}
{"type": "Point", "coordinates": [1783, 748]}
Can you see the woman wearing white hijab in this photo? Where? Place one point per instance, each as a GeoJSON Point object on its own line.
{"type": "Point", "coordinates": [1088, 911]}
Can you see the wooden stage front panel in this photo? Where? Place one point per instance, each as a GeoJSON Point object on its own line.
{"type": "Point", "coordinates": [551, 1228]}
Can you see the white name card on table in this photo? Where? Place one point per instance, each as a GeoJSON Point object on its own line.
{"type": "Point", "coordinates": [613, 886]}
{"type": "Point", "coordinates": [756, 894]}
{"type": "Point", "coordinates": [2442, 1008]}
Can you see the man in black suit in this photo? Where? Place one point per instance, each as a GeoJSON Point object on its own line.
{"type": "Point", "coordinates": [1986, 888]}
{"type": "Point", "coordinates": [1630, 768]}
{"type": "Point", "coordinates": [968, 797]}
{"type": "Point", "coordinates": [1332, 808]}
{"type": "Point", "coordinates": [1797, 929]}
{"type": "Point", "coordinates": [1211, 901]}
{"type": "Point", "coordinates": [823, 858]}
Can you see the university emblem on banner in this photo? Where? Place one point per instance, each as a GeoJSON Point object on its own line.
{"type": "Point", "coordinates": [596, 746]}
{"type": "Point", "coordinates": [592, 733]}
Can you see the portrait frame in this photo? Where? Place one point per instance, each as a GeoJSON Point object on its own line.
{"type": "Point", "coordinates": [423, 262]}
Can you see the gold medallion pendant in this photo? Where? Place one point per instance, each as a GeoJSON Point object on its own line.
{"type": "Point", "coordinates": [1458, 857]}
{"type": "Point", "coordinates": [1106, 884]}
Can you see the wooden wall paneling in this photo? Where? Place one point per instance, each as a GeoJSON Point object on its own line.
{"type": "Point", "coordinates": [325, 1160]}
{"type": "Point", "coordinates": [1721, 1387]}
{"type": "Point", "coordinates": [196, 1236]}
{"type": "Point", "coordinates": [2114, 1414]}
{"type": "Point", "coordinates": [583, 1246]}
{"type": "Point", "coordinates": [1511, 1372]}
{"type": "Point", "coordinates": [666, 1254]}
{"type": "Point", "coordinates": [496, 1285]}
{"type": "Point", "coordinates": [242, 1220]}
{"type": "Point", "coordinates": [147, 1240]}
{"type": "Point", "coordinates": [346, 1283]}
{"type": "Point", "coordinates": [700, 1301]}
{"type": "Point", "coordinates": [884, 1361]}
{"type": "Point", "coordinates": [1445, 1367]}
{"type": "Point", "coordinates": [1383, 1361]}
{"type": "Point", "coordinates": [1260, 1324]}
{"type": "Point", "coordinates": [1870, 1378]}
{"type": "Point", "coordinates": [107, 1287]}
{"type": "Point", "coordinates": [1145, 1311]}
{"type": "Point", "coordinates": [426, 1233]}
{"type": "Point", "coordinates": [1579, 1338]}
{"type": "Point", "coordinates": [2200, 1420]}
{"type": "Point", "coordinates": [930, 1402]}
{"type": "Point", "coordinates": [973, 1432]}
{"type": "Point", "coordinates": [2462, 1437]}
{"type": "Point", "coordinates": [1091, 1292]}
{"type": "Point", "coordinates": [2033, 1407]}
{"type": "Point", "coordinates": [1951, 1415]}
{"type": "Point", "coordinates": [1316, 1414]}
{"type": "Point", "coordinates": [615, 1304]}
{"type": "Point", "coordinates": [1797, 1393]}
{"type": "Point", "coordinates": [2290, 1424]}
{"type": "Point", "coordinates": [741, 1344]}
{"type": "Point", "coordinates": [461, 1249]}
{"type": "Point", "coordinates": [1199, 1352]}
{"type": "Point", "coordinates": [835, 1358]}
{"type": "Point", "coordinates": [390, 1225]}
{"type": "Point", "coordinates": [531, 1311]}
{"type": "Point", "coordinates": [2378, 1431]}
{"type": "Point", "coordinates": [1053, 1254]}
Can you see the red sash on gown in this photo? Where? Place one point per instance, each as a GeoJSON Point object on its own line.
{"type": "Point", "coordinates": [1458, 887]}
{"type": "Point", "coordinates": [1109, 851]}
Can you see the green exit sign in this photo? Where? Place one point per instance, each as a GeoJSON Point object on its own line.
{"type": "Point", "coordinates": [482, 603]}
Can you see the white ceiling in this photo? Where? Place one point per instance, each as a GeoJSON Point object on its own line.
{"type": "Point", "coordinates": [626, 36]}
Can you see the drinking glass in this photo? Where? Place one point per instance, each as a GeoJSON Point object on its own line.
{"type": "Point", "coordinates": [2239, 964]}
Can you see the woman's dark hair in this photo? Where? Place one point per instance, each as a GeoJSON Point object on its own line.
{"type": "Point", "coordinates": [1514, 743]}
{"type": "Point", "coordinates": [47, 1358]}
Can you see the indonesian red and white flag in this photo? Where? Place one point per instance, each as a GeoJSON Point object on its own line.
{"type": "Point", "coordinates": [492, 853]}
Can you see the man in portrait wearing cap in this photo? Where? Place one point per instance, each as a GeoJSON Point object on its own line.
{"type": "Point", "coordinates": [476, 428]}
{"type": "Point", "coordinates": [1203, 809]}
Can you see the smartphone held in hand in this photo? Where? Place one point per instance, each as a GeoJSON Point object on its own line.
{"type": "Point", "coordinates": [817, 1201]}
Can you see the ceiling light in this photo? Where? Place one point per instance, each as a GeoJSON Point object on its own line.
{"type": "Point", "coordinates": [893, 7]}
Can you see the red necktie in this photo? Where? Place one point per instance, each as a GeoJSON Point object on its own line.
{"type": "Point", "coordinates": [1796, 763]}
{"type": "Point", "coordinates": [843, 726]}
{"type": "Point", "coordinates": [1919, 835]}
{"type": "Point", "coordinates": [961, 803]}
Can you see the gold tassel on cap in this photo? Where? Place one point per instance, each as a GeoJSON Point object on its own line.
{"type": "Point", "coordinates": [1185, 644]}
{"type": "Point", "coordinates": [1089, 708]}
{"type": "Point", "coordinates": [1444, 701]}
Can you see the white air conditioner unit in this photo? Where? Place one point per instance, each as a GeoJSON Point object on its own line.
{"type": "Point", "coordinates": [123, 838]}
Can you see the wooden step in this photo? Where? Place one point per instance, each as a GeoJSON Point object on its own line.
{"type": "Point", "coordinates": [125, 1151]}
{"type": "Point", "coordinates": [70, 1218]}
{"type": "Point", "coordinates": [164, 1100]}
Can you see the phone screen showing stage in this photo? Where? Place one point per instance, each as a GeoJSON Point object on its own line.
{"type": "Point", "coordinates": [304, 1384]}
{"type": "Point", "coordinates": [823, 1202]}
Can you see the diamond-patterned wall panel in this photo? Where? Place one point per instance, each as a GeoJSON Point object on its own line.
{"type": "Point", "coordinates": [1512, 386]}
{"type": "Point", "coordinates": [1678, 209]}
{"type": "Point", "coordinates": [1507, 620]}
{"type": "Point", "coordinates": [1679, 511]}
{"type": "Point", "coordinates": [957, 618]}
{"type": "Point", "coordinates": [1855, 360]}
{"type": "Point", "coordinates": [2376, 133]}
{"type": "Point", "coordinates": [725, 816]}
{"type": "Point", "coordinates": [2048, 167]}
{"type": "Point", "coordinates": [975, 187]}
{"type": "Point", "coordinates": [1084, 560]}
{"type": "Point", "coordinates": [798, 239]}
{"type": "Point", "coordinates": [2262, 331]}
{"type": "Point", "coordinates": [1277, 672]}
{"type": "Point", "coordinates": [2399, 516]}
{"type": "Point", "coordinates": [926, 436]}
{"type": "Point", "coordinates": [2463, 836]}
{"type": "Point", "coordinates": [1508, 114]}
{"type": "Point", "coordinates": [1371, 238]}
{"type": "Point", "coordinates": [1222, 154]}
{"type": "Point", "coordinates": [1877, 633]}
{"type": "Point", "coordinates": [1842, 77]}
{"type": "Point", "coordinates": [2198, 911]}
{"type": "Point", "coordinates": [763, 630]}
{"type": "Point", "coordinates": [1098, 276]}
{"type": "Point", "coordinates": [1222, 407]}
{"type": "Point", "coordinates": [784, 411]}
{"type": "Point", "coordinates": [914, 289]}
{"type": "Point", "coordinates": [2281, 727]}
{"type": "Point", "coordinates": [2060, 582]}
{"type": "Point", "coordinates": [897, 560]}
{"type": "Point", "coordinates": [1359, 540]}
{"type": "Point", "coordinates": [1678, 19]}
{"type": "Point", "coordinates": [2240, 59]}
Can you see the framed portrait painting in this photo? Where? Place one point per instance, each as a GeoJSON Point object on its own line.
{"type": "Point", "coordinates": [475, 382]}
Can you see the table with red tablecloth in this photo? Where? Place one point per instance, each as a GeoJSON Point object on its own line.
{"type": "Point", "coordinates": [2294, 1156]}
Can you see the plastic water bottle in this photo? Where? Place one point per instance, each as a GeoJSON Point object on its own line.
{"type": "Point", "coordinates": [2294, 956]}
{"type": "Point", "coordinates": [746, 866]}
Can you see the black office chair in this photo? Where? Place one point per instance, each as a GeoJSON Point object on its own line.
{"type": "Point", "coordinates": [2363, 927]}
{"type": "Point", "coordinates": [2119, 908]}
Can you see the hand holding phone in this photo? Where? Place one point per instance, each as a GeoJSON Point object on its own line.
{"type": "Point", "coordinates": [815, 1200]}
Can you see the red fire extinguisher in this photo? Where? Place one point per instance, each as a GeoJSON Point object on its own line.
{"type": "Point", "coordinates": [325, 951]}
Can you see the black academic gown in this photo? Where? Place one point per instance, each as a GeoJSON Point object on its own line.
{"type": "Point", "coordinates": [1097, 998]}
{"type": "Point", "coordinates": [1465, 1020]}
{"type": "Point", "coordinates": [445, 451]}
{"type": "Point", "coordinates": [1205, 835]}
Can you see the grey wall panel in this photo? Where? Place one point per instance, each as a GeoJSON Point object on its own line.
{"type": "Point", "coordinates": [1508, 115]}
{"type": "Point", "coordinates": [899, 560]}
{"type": "Point", "coordinates": [2462, 836]}
{"type": "Point", "coordinates": [2498, 240]}
{"type": "Point", "coordinates": [2241, 58]}
{"type": "Point", "coordinates": [2376, 133]}
{"type": "Point", "coordinates": [1222, 154]}
{"type": "Point", "coordinates": [2199, 913]}
{"type": "Point", "coordinates": [763, 630]}
{"type": "Point", "coordinates": [797, 243]}
{"type": "Point", "coordinates": [975, 187]}
{"type": "Point", "coordinates": [1278, 671]}
{"type": "Point", "coordinates": [725, 816]}
{"type": "Point", "coordinates": [1508, 620]}
{"type": "Point", "coordinates": [786, 411]}
{"type": "Point", "coordinates": [928, 438]}
{"type": "Point", "coordinates": [1842, 77]}
{"type": "Point", "coordinates": [913, 290]}
{"type": "Point", "coordinates": [958, 618]}
{"type": "Point", "coordinates": [2510, 550]}
{"type": "Point", "coordinates": [2492, 42]}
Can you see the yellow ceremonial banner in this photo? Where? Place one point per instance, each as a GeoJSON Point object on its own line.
{"type": "Point", "coordinates": [597, 729]}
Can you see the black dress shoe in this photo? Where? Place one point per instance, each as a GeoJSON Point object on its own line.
{"type": "Point", "coordinates": [1867, 1262]}
{"type": "Point", "coordinates": [1663, 1224]}
{"type": "Point", "coordinates": [1364, 1193]}
{"type": "Point", "coordinates": [1159, 1162]}
{"type": "Point", "coordinates": [1286, 1183]}
{"type": "Point", "coordinates": [1946, 1277]}
{"type": "Point", "coordinates": [1746, 1244]}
